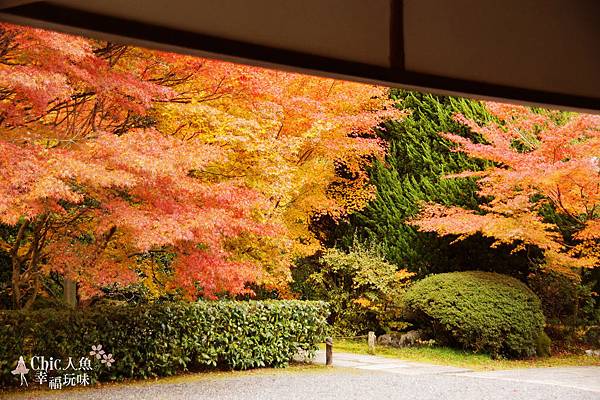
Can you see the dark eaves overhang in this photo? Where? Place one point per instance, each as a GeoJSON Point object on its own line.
{"type": "Point", "coordinates": [537, 52]}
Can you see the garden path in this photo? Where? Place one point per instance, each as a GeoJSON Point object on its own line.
{"type": "Point", "coordinates": [354, 377]}
{"type": "Point", "coordinates": [584, 378]}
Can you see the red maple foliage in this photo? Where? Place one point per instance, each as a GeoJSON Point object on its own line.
{"type": "Point", "coordinates": [111, 153]}
{"type": "Point", "coordinates": [88, 184]}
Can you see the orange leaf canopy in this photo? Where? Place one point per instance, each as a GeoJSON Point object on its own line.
{"type": "Point", "coordinates": [109, 152]}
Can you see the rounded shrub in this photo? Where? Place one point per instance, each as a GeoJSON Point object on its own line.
{"type": "Point", "coordinates": [480, 311]}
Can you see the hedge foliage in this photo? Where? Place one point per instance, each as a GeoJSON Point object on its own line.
{"type": "Point", "coordinates": [481, 311]}
{"type": "Point", "coordinates": [167, 338]}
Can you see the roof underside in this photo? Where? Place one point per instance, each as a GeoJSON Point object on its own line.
{"type": "Point", "coordinates": [543, 52]}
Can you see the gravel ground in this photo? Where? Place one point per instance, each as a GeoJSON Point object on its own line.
{"type": "Point", "coordinates": [338, 383]}
{"type": "Point", "coordinates": [354, 376]}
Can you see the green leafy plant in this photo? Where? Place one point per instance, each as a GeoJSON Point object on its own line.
{"type": "Point", "coordinates": [168, 338]}
{"type": "Point", "coordinates": [362, 288]}
{"type": "Point", "coordinates": [565, 301]}
{"type": "Point", "coordinates": [480, 311]}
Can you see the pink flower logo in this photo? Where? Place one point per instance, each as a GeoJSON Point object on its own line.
{"type": "Point", "coordinates": [108, 360]}
{"type": "Point", "coordinates": [97, 351]}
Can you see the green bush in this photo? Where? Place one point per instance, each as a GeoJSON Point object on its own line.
{"type": "Point", "coordinates": [565, 300]}
{"type": "Point", "coordinates": [481, 311]}
{"type": "Point", "coordinates": [164, 339]}
{"type": "Point", "coordinates": [361, 287]}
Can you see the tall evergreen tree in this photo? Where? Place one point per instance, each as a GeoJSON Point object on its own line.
{"type": "Point", "coordinates": [417, 159]}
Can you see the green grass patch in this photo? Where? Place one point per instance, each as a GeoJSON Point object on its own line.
{"type": "Point", "coordinates": [461, 358]}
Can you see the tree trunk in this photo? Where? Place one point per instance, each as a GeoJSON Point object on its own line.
{"type": "Point", "coordinates": [16, 284]}
{"type": "Point", "coordinates": [16, 266]}
{"type": "Point", "coordinates": [70, 292]}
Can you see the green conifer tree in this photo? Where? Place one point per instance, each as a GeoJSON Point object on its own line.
{"type": "Point", "coordinates": [412, 173]}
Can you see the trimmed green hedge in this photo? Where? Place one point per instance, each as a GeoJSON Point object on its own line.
{"type": "Point", "coordinates": [481, 311]}
{"type": "Point", "coordinates": [167, 338]}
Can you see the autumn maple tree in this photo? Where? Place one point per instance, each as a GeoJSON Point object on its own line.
{"type": "Point", "coordinates": [88, 183]}
{"type": "Point", "coordinates": [541, 160]}
{"type": "Point", "coordinates": [287, 136]}
{"type": "Point", "coordinates": [111, 153]}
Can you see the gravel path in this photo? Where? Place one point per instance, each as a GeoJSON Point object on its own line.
{"type": "Point", "coordinates": [584, 378]}
{"type": "Point", "coordinates": [360, 378]}
{"type": "Point", "coordinates": [341, 384]}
